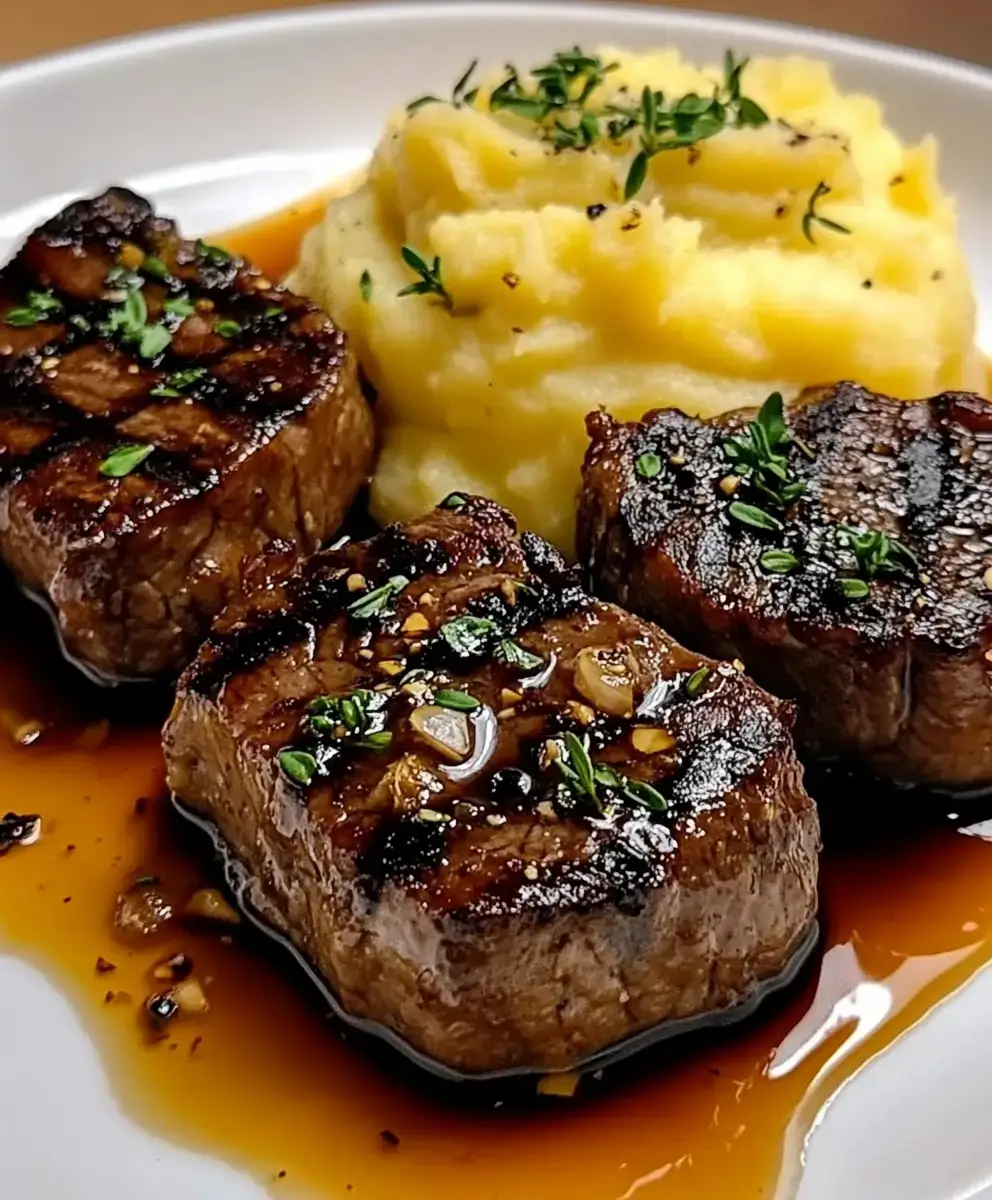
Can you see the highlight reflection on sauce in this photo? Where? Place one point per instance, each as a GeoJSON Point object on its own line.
{"type": "Point", "coordinates": [266, 1081]}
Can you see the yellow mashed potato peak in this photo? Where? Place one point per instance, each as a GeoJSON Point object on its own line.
{"type": "Point", "coordinates": [801, 244]}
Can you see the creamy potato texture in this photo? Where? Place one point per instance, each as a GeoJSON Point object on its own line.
{"type": "Point", "coordinates": [708, 289]}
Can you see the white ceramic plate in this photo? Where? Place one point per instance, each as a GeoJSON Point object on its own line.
{"type": "Point", "coordinates": [223, 122]}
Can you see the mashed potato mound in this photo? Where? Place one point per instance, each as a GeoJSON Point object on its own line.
{"type": "Point", "coordinates": [702, 291]}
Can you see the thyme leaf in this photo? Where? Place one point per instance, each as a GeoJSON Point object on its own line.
{"type": "Point", "coordinates": [298, 765]}
{"type": "Point", "coordinates": [811, 217]}
{"type": "Point", "coordinates": [376, 602]}
{"type": "Point", "coordinates": [778, 562]}
{"type": "Point", "coordinates": [430, 282]}
{"type": "Point", "coordinates": [469, 636]}
{"type": "Point", "coordinates": [458, 701]}
{"type": "Point", "coordinates": [122, 460]}
{"type": "Point", "coordinates": [757, 518]}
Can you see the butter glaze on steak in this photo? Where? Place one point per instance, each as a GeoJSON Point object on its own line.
{"type": "Point", "coordinates": [483, 911]}
{"type": "Point", "coordinates": [899, 680]}
{"type": "Point", "coordinates": [270, 440]}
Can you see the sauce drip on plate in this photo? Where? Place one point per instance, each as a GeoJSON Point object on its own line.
{"type": "Point", "coordinates": [267, 1081]}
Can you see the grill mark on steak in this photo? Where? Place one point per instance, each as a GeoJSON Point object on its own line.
{"type": "Point", "coordinates": [901, 678]}
{"type": "Point", "coordinates": [243, 424]}
{"type": "Point", "coordinates": [319, 593]}
{"type": "Point", "coordinates": [264, 348]}
{"type": "Point", "coordinates": [432, 898]}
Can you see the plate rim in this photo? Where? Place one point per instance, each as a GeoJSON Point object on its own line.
{"type": "Point", "coordinates": [88, 56]}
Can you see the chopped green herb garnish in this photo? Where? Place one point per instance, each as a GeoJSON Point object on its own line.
{"type": "Point", "coordinates": [514, 655]}
{"type": "Point", "coordinates": [178, 382]}
{"type": "Point", "coordinates": [469, 636]}
{"type": "Point", "coordinates": [459, 701]}
{"type": "Point", "coordinates": [454, 500]}
{"type": "Point", "coordinates": [376, 602]}
{"type": "Point", "coordinates": [581, 763]}
{"type": "Point", "coordinates": [778, 562]}
{"type": "Point", "coordinates": [44, 302]}
{"type": "Point", "coordinates": [648, 466]}
{"type": "Point", "coordinates": [22, 318]}
{"type": "Point", "coordinates": [635, 790]}
{"type": "Point", "coordinates": [430, 282]}
{"type": "Point", "coordinates": [154, 267]}
{"type": "Point", "coordinates": [179, 306]}
{"type": "Point", "coordinates": [575, 767]}
{"type": "Point", "coordinates": [38, 307]}
{"type": "Point", "coordinates": [760, 454]}
{"type": "Point", "coordinates": [355, 719]}
{"type": "Point", "coordinates": [694, 684]}
{"type": "Point", "coordinates": [274, 310]}
{"type": "Point", "coordinates": [129, 321]}
{"type": "Point", "coordinates": [228, 328]}
{"type": "Point", "coordinates": [123, 460]}
{"type": "Point", "coordinates": [757, 518]}
{"type": "Point", "coordinates": [812, 217]}
{"type": "Point", "coordinates": [876, 552]}
{"type": "Point", "coordinates": [153, 340]}
{"type": "Point", "coordinates": [852, 589]}
{"type": "Point", "coordinates": [216, 256]}
{"type": "Point", "coordinates": [378, 742]}
{"type": "Point", "coordinates": [459, 95]}
{"type": "Point", "coordinates": [298, 765]}
{"type": "Point", "coordinates": [580, 136]}
{"type": "Point", "coordinates": [684, 122]}
{"type": "Point", "coordinates": [566, 82]}
{"type": "Point", "coordinates": [365, 286]}
{"type": "Point", "coordinates": [644, 794]}
{"type": "Point", "coordinates": [121, 277]}
{"type": "Point", "coordinates": [582, 777]}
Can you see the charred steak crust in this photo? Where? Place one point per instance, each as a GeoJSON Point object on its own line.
{"type": "Point", "coordinates": [897, 676]}
{"type": "Point", "coordinates": [114, 332]}
{"type": "Point", "coordinates": [496, 912]}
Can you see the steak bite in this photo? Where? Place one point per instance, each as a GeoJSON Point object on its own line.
{"type": "Point", "coordinates": [165, 411]}
{"type": "Point", "coordinates": [512, 824]}
{"type": "Point", "coordinates": [845, 556]}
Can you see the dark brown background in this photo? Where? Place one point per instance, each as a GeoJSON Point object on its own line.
{"type": "Point", "coordinates": [962, 28]}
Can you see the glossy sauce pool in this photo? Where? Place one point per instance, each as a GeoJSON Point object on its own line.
{"type": "Point", "coordinates": [268, 1082]}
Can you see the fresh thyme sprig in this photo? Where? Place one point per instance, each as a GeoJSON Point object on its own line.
{"type": "Point", "coordinates": [580, 136]}
{"type": "Point", "coordinates": [684, 122]}
{"type": "Point", "coordinates": [757, 454]}
{"type": "Point", "coordinates": [581, 779]}
{"type": "Point", "coordinates": [876, 553]}
{"type": "Point", "coordinates": [566, 82]}
{"type": "Point", "coordinates": [459, 95]}
{"type": "Point", "coordinates": [430, 282]}
{"type": "Point", "coordinates": [811, 217]}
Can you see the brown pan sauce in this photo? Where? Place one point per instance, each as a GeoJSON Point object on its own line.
{"type": "Point", "coordinates": [267, 1081]}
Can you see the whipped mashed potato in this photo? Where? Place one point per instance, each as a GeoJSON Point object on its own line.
{"type": "Point", "coordinates": [806, 248]}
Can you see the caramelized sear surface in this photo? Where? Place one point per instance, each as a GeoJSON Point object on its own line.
{"type": "Point", "coordinates": [867, 598]}
{"type": "Point", "coordinates": [165, 411]}
{"type": "Point", "coordinates": [509, 822]}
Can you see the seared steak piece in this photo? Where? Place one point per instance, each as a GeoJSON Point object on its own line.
{"type": "Point", "coordinates": [866, 595]}
{"type": "Point", "coordinates": [510, 823]}
{"type": "Point", "coordinates": [165, 411]}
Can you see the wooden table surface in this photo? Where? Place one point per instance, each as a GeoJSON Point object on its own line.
{"type": "Point", "coordinates": [962, 28]}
